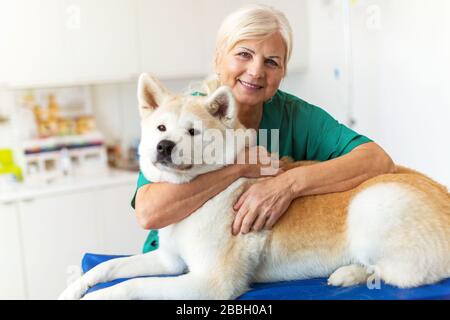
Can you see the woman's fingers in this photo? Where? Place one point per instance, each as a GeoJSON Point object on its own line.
{"type": "Point", "coordinates": [272, 219]}
{"type": "Point", "coordinates": [238, 220]}
{"type": "Point", "coordinates": [241, 200]}
{"type": "Point", "coordinates": [248, 221]}
{"type": "Point", "coordinates": [260, 221]}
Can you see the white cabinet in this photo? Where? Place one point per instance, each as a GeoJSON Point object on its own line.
{"type": "Point", "coordinates": [43, 237]}
{"type": "Point", "coordinates": [58, 42]}
{"type": "Point", "coordinates": [104, 44]}
{"type": "Point", "coordinates": [171, 38]}
{"type": "Point", "coordinates": [5, 41]}
{"type": "Point", "coordinates": [12, 285]}
{"type": "Point", "coordinates": [57, 231]}
{"type": "Point", "coordinates": [35, 46]}
{"type": "Point", "coordinates": [69, 42]}
{"type": "Point", "coordinates": [120, 231]}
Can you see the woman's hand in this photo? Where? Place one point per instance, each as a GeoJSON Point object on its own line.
{"type": "Point", "coordinates": [261, 205]}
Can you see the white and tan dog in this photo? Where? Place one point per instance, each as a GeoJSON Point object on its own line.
{"type": "Point", "coordinates": [397, 225]}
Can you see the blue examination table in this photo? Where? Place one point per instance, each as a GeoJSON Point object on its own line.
{"type": "Point", "coordinates": [313, 289]}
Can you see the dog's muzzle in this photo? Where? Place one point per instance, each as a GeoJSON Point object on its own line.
{"type": "Point", "coordinates": [164, 156]}
{"type": "Point", "coordinates": [164, 151]}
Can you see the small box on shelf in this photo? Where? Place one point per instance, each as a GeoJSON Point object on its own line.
{"type": "Point", "coordinates": [55, 158]}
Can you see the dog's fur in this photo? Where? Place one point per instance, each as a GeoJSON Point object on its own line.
{"type": "Point", "coordinates": [394, 225]}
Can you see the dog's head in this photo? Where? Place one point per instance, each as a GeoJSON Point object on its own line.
{"type": "Point", "coordinates": [185, 136]}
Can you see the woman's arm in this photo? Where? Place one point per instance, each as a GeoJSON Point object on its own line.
{"type": "Point", "coordinates": [340, 174]}
{"type": "Point", "coordinates": [161, 204]}
{"type": "Point", "coordinates": [263, 203]}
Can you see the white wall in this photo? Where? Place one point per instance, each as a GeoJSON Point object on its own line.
{"type": "Point", "coordinates": [401, 80]}
{"type": "Point", "coordinates": [324, 82]}
{"type": "Point", "coordinates": [400, 64]}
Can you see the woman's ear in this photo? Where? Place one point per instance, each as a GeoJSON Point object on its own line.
{"type": "Point", "coordinates": [150, 93]}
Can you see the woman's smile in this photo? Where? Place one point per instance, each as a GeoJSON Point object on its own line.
{"type": "Point", "coordinates": [250, 86]}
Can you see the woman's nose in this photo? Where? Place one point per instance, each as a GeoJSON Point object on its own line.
{"type": "Point", "coordinates": [256, 69]}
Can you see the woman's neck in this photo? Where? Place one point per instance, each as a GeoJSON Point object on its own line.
{"type": "Point", "coordinates": [250, 116]}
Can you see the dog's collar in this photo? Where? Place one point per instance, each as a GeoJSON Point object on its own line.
{"type": "Point", "coordinates": [196, 94]}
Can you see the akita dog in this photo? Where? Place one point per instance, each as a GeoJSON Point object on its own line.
{"type": "Point", "coordinates": [396, 225]}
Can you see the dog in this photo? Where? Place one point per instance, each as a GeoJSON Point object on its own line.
{"type": "Point", "coordinates": [395, 226]}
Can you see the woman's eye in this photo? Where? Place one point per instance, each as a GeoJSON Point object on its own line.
{"type": "Point", "coordinates": [244, 55]}
{"type": "Point", "coordinates": [272, 62]}
{"type": "Point", "coordinates": [162, 128]}
{"type": "Point", "coordinates": [193, 132]}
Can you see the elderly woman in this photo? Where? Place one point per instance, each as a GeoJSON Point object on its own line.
{"type": "Point", "coordinates": [252, 52]}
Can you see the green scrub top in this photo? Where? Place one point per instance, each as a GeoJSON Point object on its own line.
{"type": "Point", "coordinates": [306, 132]}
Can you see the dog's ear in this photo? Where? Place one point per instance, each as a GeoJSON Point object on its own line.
{"type": "Point", "coordinates": [221, 104]}
{"type": "Point", "coordinates": [150, 94]}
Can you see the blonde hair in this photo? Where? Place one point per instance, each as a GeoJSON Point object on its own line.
{"type": "Point", "coordinates": [248, 23]}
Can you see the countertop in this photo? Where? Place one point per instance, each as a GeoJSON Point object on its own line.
{"type": "Point", "coordinates": [69, 185]}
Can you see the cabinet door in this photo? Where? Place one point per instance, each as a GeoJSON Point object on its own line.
{"type": "Point", "coordinates": [12, 284]}
{"type": "Point", "coordinates": [63, 42]}
{"type": "Point", "coordinates": [100, 39]}
{"type": "Point", "coordinates": [171, 38]}
{"type": "Point", "coordinates": [121, 234]}
{"type": "Point", "coordinates": [57, 231]}
{"type": "Point", "coordinates": [35, 50]}
{"type": "Point", "coordinates": [6, 35]}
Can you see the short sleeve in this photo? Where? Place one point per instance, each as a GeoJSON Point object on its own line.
{"type": "Point", "coordinates": [142, 181]}
{"type": "Point", "coordinates": [326, 138]}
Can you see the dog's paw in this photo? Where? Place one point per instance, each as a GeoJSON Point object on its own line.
{"type": "Point", "coordinates": [74, 292]}
{"type": "Point", "coordinates": [348, 276]}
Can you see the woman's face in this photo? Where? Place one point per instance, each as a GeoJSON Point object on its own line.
{"type": "Point", "coordinates": [253, 69]}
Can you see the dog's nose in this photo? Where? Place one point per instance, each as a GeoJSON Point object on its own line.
{"type": "Point", "coordinates": [165, 148]}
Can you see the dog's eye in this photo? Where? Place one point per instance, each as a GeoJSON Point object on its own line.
{"type": "Point", "coordinates": [193, 132]}
{"type": "Point", "coordinates": [162, 128]}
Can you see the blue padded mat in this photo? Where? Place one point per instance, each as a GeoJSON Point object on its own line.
{"type": "Point", "coordinates": [312, 289]}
